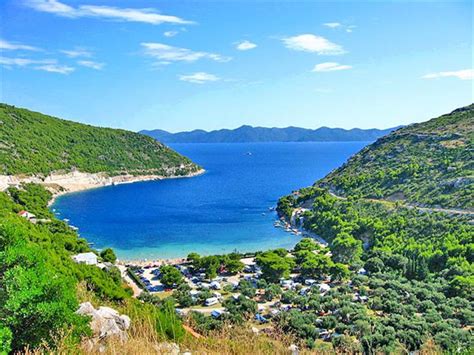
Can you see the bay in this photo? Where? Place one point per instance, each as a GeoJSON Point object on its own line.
{"type": "Point", "coordinates": [223, 210]}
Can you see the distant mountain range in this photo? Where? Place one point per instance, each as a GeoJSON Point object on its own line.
{"type": "Point", "coordinates": [262, 134]}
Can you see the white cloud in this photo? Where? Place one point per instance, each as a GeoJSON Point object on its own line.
{"type": "Point", "coordinates": [9, 46]}
{"type": "Point", "coordinates": [23, 62]}
{"type": "Point", "coordinates": [466, 74]}
{"type": "Point", "coordinates": [56, 68]}
{"type": "Point", "coordinates": [350, 28]}
{"type": "Point", "coordinates": [77, 52]}
{"type": "Point", "coordinates": [170, 33]}
{"type": "Point", "coordinates": [332, 24]}
{"type": "Point", "coordinates": [147, 15]}
{"type": "Point", "coordinates": [166, 54]}
{"type": "Point", "coordinates": [49, 65]}
{"type": "Point", "coordinates": [199, 78]}
{"type": "Point", "coordinates": [338, 25]}
{"type": "Point", "coordinates": [330, 66]}
{"type": "Point", "coordinates": [313, 44]}
{"type": "Point", "coordinates": [52, 6]}
{"type": "Point", "coordinates": [91, 64]}
{"type": "Point", "coordinates": [132, 15]}
{"type": "Point", "coordinates": [245, 45]}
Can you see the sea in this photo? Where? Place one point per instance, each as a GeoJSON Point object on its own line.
{"type": "Point", "coordinates": [228, 208]}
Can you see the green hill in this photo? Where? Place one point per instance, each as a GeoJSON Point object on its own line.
{"type": "Point", "coordinates": [414, 264]}
{"type": "Point", "coordinates": [40, 285]}
{"type": "Point", "coordinates": [33, 143]}
{"type": "Point", "coordinates": [429, 163]}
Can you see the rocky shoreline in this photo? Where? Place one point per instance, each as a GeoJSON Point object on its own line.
{"type": "Point", "coordinates": [61, 184]}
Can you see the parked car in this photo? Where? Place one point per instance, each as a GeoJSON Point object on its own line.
{"type": "Point", "coordinates": [260, 318]}
{"type": "Point", "coordinates": [211, 301]}
{"type": "Point", "coordinates": [216, 313]}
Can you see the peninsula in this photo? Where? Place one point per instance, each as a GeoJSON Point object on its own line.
{"type": "Point", "coordinates": [66, 156]}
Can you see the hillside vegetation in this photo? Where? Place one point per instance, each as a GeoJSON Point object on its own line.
{"type": "Point", "coordinates": [418, 271]}
{"type": "Point", "coordinates": [400, 278]}
{"type": "Point", "coordinates": [40, 284]}
{"type": "Point", "coordinates": [263, 134]}
{"type": "Point", "coordinates": [33, 143]}
{"type": "Point", "coordinates": [41, 289]}
{"type": "Point", "coordinates": [430, 163]}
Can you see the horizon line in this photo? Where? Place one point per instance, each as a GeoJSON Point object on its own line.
{"type": "Point", "coordinates": [274, 127]}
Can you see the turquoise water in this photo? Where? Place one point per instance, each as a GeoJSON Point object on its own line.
{"type": "Point", "coordinates": [223, 210]}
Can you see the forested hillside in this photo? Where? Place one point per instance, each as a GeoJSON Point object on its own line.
{"type": "Point", "coordinates": [33, 143]}
{"type": "Point", "coordinates": [41, 286]}
{"type": "Point", "coordinates": [399, 278]}
{"type": "Point", "coordinates": [417, 262]}
{"type": "Point", "coordinates": [430, 163]}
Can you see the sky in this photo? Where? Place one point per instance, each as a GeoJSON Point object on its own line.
{"type": "Point", "coordinates": [183, 65]}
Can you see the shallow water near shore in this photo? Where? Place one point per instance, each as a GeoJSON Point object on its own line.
{"type": "Point", "coordinates": [225, 209]}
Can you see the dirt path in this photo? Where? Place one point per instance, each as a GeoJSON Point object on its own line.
{"type": "Point", "coordinates": [136, 290]}
{"type": "Point", "coordinates": [191, 331]}
{"type": "Point", "coordinates": [445, 210]}
{"type": "Point", "coordinates": [451, 211]}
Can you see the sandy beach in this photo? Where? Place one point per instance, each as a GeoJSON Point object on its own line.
{"type": "Point", "coordinates": [61, 184]}
{"type": "Point", "coordinates": [152, 263]}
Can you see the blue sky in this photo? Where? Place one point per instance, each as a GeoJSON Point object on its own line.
{"type": "Point", "coordinates": [182, 65]}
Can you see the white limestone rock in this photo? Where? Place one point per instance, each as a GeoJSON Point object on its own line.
{"type": "Point", "coordinates": [106, 322]}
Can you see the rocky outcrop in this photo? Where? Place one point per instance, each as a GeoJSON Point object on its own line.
{"type": "Point", "coordinates": [73, 181]}
{"type": "Point", "coordinates": [297, 217]}
{"type": "Point", "coordinates": [106, 322]}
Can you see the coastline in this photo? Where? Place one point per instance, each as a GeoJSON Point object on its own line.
{"type": "Point", "coordinates": [151, 263]}
{"type": "Point", "coordinates": [62, 184]}
{"type": "Point", "coordinates": [156, 262]}
{"type": "Point", "coordinates": [112, 180]}
{"type": "Point", "coordinates": [76, 181]}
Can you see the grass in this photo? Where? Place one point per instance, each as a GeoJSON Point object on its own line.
{"type": "Point", "coordinates": [239, 340]}
{"type": "Point", "coordinates": [143, 339]}
{"type": "Point", "coordinates": [163, 294]}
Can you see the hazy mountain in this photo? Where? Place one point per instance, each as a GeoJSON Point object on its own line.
{"type": "Point", "coordinates": [263, 134]}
